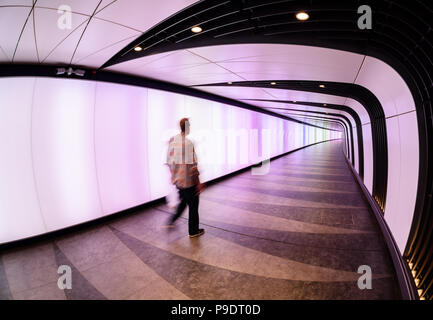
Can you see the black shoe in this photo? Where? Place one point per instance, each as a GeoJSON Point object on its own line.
{"type": "Point", "coordinates": [198, 234]}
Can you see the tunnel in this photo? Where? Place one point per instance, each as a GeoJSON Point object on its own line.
{"type": "Point", "coordinates": [311, 122]}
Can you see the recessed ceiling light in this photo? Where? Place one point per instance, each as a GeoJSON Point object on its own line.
{"type": "Point", "coordinates": [302, 16]}
{"type": "Point", "coordinates": [138, 48]}
{"type": "Point", "coordinates": [322, 86]}
{"type": "Point", "coordinates": [196, 29]}
{"type": "Point", "coordinates": [324, 104]}
{"type": "Point", "coordinates": [273, 83]}
{"type": "Point", "coordinates": [229, 82]}
{"type": "Point", "coordinates": [294, 101]}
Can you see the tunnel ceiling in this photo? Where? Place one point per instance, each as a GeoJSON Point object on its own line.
{"type": "Point", "coordinates": [34, 30]}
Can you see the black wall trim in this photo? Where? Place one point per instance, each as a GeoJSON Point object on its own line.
{"type": "Point", "coordinates": [356, 92]}
{"type": "Point", "coordinates": [350, 111]}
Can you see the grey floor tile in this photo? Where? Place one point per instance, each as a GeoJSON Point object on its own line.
{"type": "Point", "coordinates": [81, 288]}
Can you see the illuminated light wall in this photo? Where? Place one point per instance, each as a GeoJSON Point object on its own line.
{"type": "Point", "coordinates": [74, 150]}
{"type": "Point", "coordinates": [403, 145]}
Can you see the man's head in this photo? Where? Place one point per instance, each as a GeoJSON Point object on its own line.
{"type": "Point", "coordinates": [184, 126]}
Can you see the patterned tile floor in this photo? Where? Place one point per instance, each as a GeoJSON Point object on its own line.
{"type": "Point", "coordinates": [299, 232]}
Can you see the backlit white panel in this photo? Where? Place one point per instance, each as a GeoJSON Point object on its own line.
{"type": "Point", "coordinates": [83, 149]}
{"type": "Point", "coordinates": [63, 151]}
{"type": "Point", "coordinates": [26, 50]}
{"type": "Point", "coordinates": [368, 157]}
{"type": "Point", "coordinates": [393, 93]}
{"type": "Point", "coordinates": [355, 148]}
{"type": "Point", "coordinates": [121, 146]}
{"type": "Point", "coordinates": [142, 15]}
{"type": "Point", "coordinates": [203, 73]}
{"type": "Point", "coordinates": [400, 219]}
{"type": "Point", "coordinates": [210, 140]}
{"type": "Point", "coordinates": [284, 62]}
{"type": "Point", "coordinates": [93, 41]}
{"type": "Point", "coordinates": [210, 136]}
{"type": "Point", "coordinates": [233, 144]}
{"type": "Point", "coordinates": [394, 166]}
{"type": "Point", "coordinates": [17, 2]}
{"type": "Point", "coordinates": [100, 56]}
{"type": "Point", "coordinates": [133, 66]}
{"type": "Point", "coordinates": [365, 119]}
{"type": "Point", "coordinates": [312, 135]}
{"type": "Point", "coordinates": [305, 96]}
{"type": "Point", "coordinates": [46, 21]}
{"type": "Point", "coordinates": [164, 66]}
{"type": "Point", "coordinates": [12, 20]}
{"type": "Point", "coordinates": [262, 61]}
{"type": "Point", "coordinates": [78, 6]}
{"type": "Point", "coordinates": [164, 110]}
{"type": "Point", "coordinates": [20, 216]}
{"type": "Point", "coordinates": [63, 51]}
{"type": "Point", "coordinates": [238, 93]}
{"type": "Point", "coordinates": [3, 56]}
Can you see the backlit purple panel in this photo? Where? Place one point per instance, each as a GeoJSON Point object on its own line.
{"type": "Point", "coordinates": [20, 215]}
{"type": "Point", "coordinates": [84, 149]}
{"type": "Point", "coordinates": [368, 157]}
{"type": "Point", "coordinates": [121, 146]}
{"type": "Point", "coordinates": [63, 151]}
{"type": "Point", "coordinates": [355, 148]}
{"type": "Point", "coordinates": [164, 111]}
{"type": "Point", "coordinates": [401, 201]}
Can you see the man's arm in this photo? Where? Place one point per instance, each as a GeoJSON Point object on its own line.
{"type": "Point", "coordinates": [170, 159]}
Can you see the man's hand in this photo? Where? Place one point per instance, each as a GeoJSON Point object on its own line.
{"type": "Point", "coordinates": [200, 188]}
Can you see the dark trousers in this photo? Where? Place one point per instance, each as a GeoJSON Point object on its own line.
{"type": "Point", "coordinates": [188, 197]}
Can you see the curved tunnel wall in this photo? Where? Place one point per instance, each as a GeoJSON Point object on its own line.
{"type": "Point", "coordinates": [403, 143]}
{"type": "Point", "coordinates": [77, 150]}
{"type": "Point", "coordinates": [399, 120]}
{"type": "Point", "coordinates": [401, 36]}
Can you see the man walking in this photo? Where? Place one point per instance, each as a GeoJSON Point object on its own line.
{"type": "Point", "coordinates": [182, 161]}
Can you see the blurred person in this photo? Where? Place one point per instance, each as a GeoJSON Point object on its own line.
{"type": "Point", "coordinates": [182, 161]}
